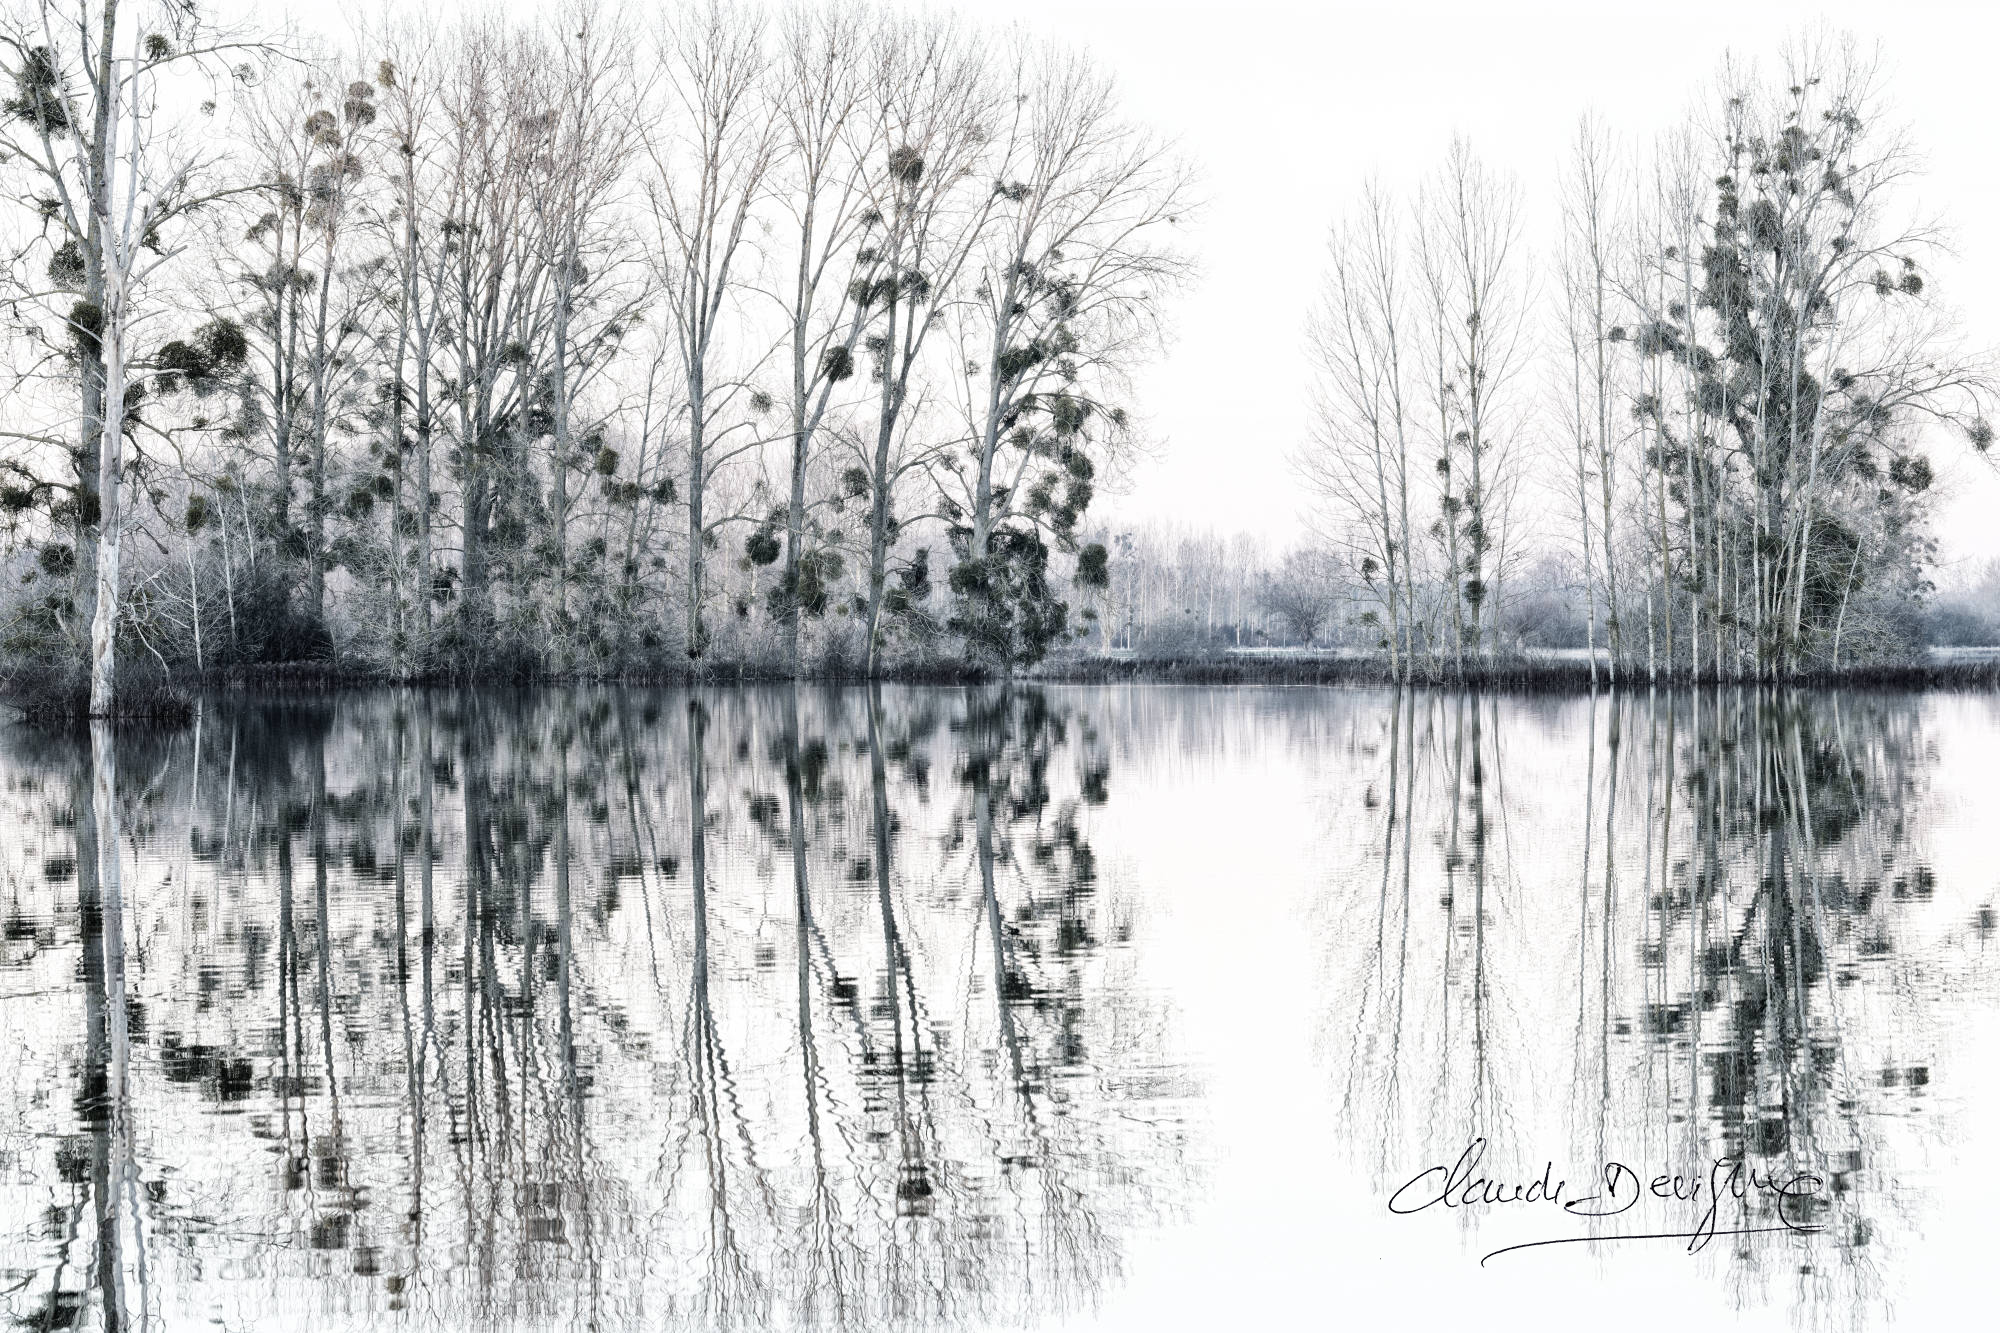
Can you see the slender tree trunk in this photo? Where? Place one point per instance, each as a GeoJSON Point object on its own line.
{"type": "Point", "coordinates": [878, 545]}
{"type": "Point", "coordinates": [426, 601]}
{"type": "Point", "coordinates": [989, 435]}
{"type": "Point", "coordinates": [1606, 455]}
{"type": "Point", "coordinates": [316, 567]}
{"type": "Point", "coordinates": [1409, 551]}
{"type": "Point", "coordinates": [878, 513]}
{"type": "Point", "coordinates": [795, 510]}
{"type": "Point", "coordinates": [1693, 437]}
{"type": "Point", "coordinates": [110, 464]}
{"type": "Point", "coordinates": [398, 408]}
{"type": "Point", "coordinates": [110, 257]}
{"type": "Point", "coordinates": [1583, 512]}
{"type": "Point", "coordinates": [90, 443]}
{"type": "Point", "coordinates": [284, 338]}
{"type": "Point", "coordinates": [697, 637]}
{"type": "Point", "coordinates": [560, 648]}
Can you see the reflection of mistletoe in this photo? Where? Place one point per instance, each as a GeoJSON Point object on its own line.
{"type": "Point", "coordinates": [1041, 942]}
{"type": "Point", "coordinates": [815, 1116]}
{"type": "Point", "coordinates": [1817, 821]}
{"type": "Point", "coordinates": [1777, 856]}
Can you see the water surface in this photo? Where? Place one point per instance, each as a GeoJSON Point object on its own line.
{"type": "Point", "coordinates": [1131, 1007]}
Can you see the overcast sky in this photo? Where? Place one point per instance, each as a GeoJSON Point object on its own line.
{"type": "Point", "coordinates": [1287, 108]}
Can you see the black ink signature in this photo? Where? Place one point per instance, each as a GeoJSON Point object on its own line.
{"type": "Point", "coordinates": [1619, 1189]}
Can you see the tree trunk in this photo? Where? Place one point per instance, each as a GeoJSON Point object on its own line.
{"type": "Point", "coordinates": [316, 568]}
{"type": "Point", "coordinates": [425, 600]}
{"type": "Point", "coordinates": [795, 512]}
{"type": "Point", "coordinates": [560, 646]}
{"type": "Point", "coordinates": [878, 513]}
{"type": "Point", "coordinates": [697, 638]}
{"type": "Point", "coordinates": [878, 541]}
{"type": "Point", "coordinates": [110, 461]}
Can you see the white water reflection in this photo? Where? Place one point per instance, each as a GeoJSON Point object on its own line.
{"type": "Point", "coordinates": [1046, 1008]}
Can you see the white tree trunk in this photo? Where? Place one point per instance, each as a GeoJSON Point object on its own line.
{"type": "Point", "coordinates": [110, 460]}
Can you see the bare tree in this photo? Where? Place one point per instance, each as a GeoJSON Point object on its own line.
{"type": "Point", "coordinates": [1589, 305]}
{"type": "Point", "coordinates": [930, 123]}
{"type": "Point", "coordinates": [1074, 261]}
{"type": "Point", "coordinates": [1469, 254]}
{"type": "Point", "coordinates": [494, 311]}
{"type": "Point", "coordinates": [335, 114]}
{"type": "Point", "coordinates": [119, 177]}
{"type": "Point", "coordinates": [827, 179]}
{"type": "Point", "coordinates": [711, 138]}
{"type": "Point", "coordinates": [1358, 461]}
{"type": "Point", "coordinates": [1303, 593]}
{"type": "Point", "coordinates": [408, 74]}
{"type": "Point", "coordinates": [1812, 345]}
{"type": "Point", "coordinates": [277, 284]}
{"type": "Point", "coordinates": [582, 164]}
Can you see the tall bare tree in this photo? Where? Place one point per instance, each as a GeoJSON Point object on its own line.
{"type": "Point", "coordinates": [825, 176]}
{"type": "Point", "coordinates": [1470, 256]}
{"type": "Point", "coordinates": [582, 167]}
{"type": "Point", "coordinates": [930, 123]}
{"type": "Point", "coordinates": [118, 177]}
{"type": "Point", "coordinates": [711, 137]}
{"type": "Point", "coordinates": [1358, 459]}
{"type": "Point", "coordinates": [1815, 346]}
{"type": "Point", "coordinates": [1074, 261]}
{"type": "Point", "coordinates": [407, 74]}
{"type": "Point", "coordinates": [494, 311]}
{"type": "Point", "coordinates": [1590, 301]}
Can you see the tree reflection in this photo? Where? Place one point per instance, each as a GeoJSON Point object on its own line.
{"type": "Point", "coordinates": [478, 1008]}
{"type": "Point", "coordinates": [1746, 1004]}
{"type": "Point", "coordinates": [811, 1008]}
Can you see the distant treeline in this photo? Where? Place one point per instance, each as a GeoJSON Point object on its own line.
{"type": "Point", "coordinates": [1180, 595]}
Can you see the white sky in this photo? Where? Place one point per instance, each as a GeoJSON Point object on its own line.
{"type": "Point", "coordinates": [1286, 108]}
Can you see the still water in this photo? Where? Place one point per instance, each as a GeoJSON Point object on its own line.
{"type": "Point", "coordinates": [1136, 1007]}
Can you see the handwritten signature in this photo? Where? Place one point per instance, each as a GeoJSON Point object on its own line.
{"type": "Point", "coordinates": [1619, 1188]}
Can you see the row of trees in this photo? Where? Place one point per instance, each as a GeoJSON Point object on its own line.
{"type": "Point", "coordinates": [486, 344]}
{"type": "Point", "coordinates": [1720, 391]}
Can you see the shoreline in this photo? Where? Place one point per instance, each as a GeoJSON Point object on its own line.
{"type": "Point", "coordinates": [1527, 675]}
{"type": "Point", "coordinates": [156, 700]}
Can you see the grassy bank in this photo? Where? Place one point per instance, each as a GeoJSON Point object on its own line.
{"type": "Point", "coordinates": [63, 701]}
